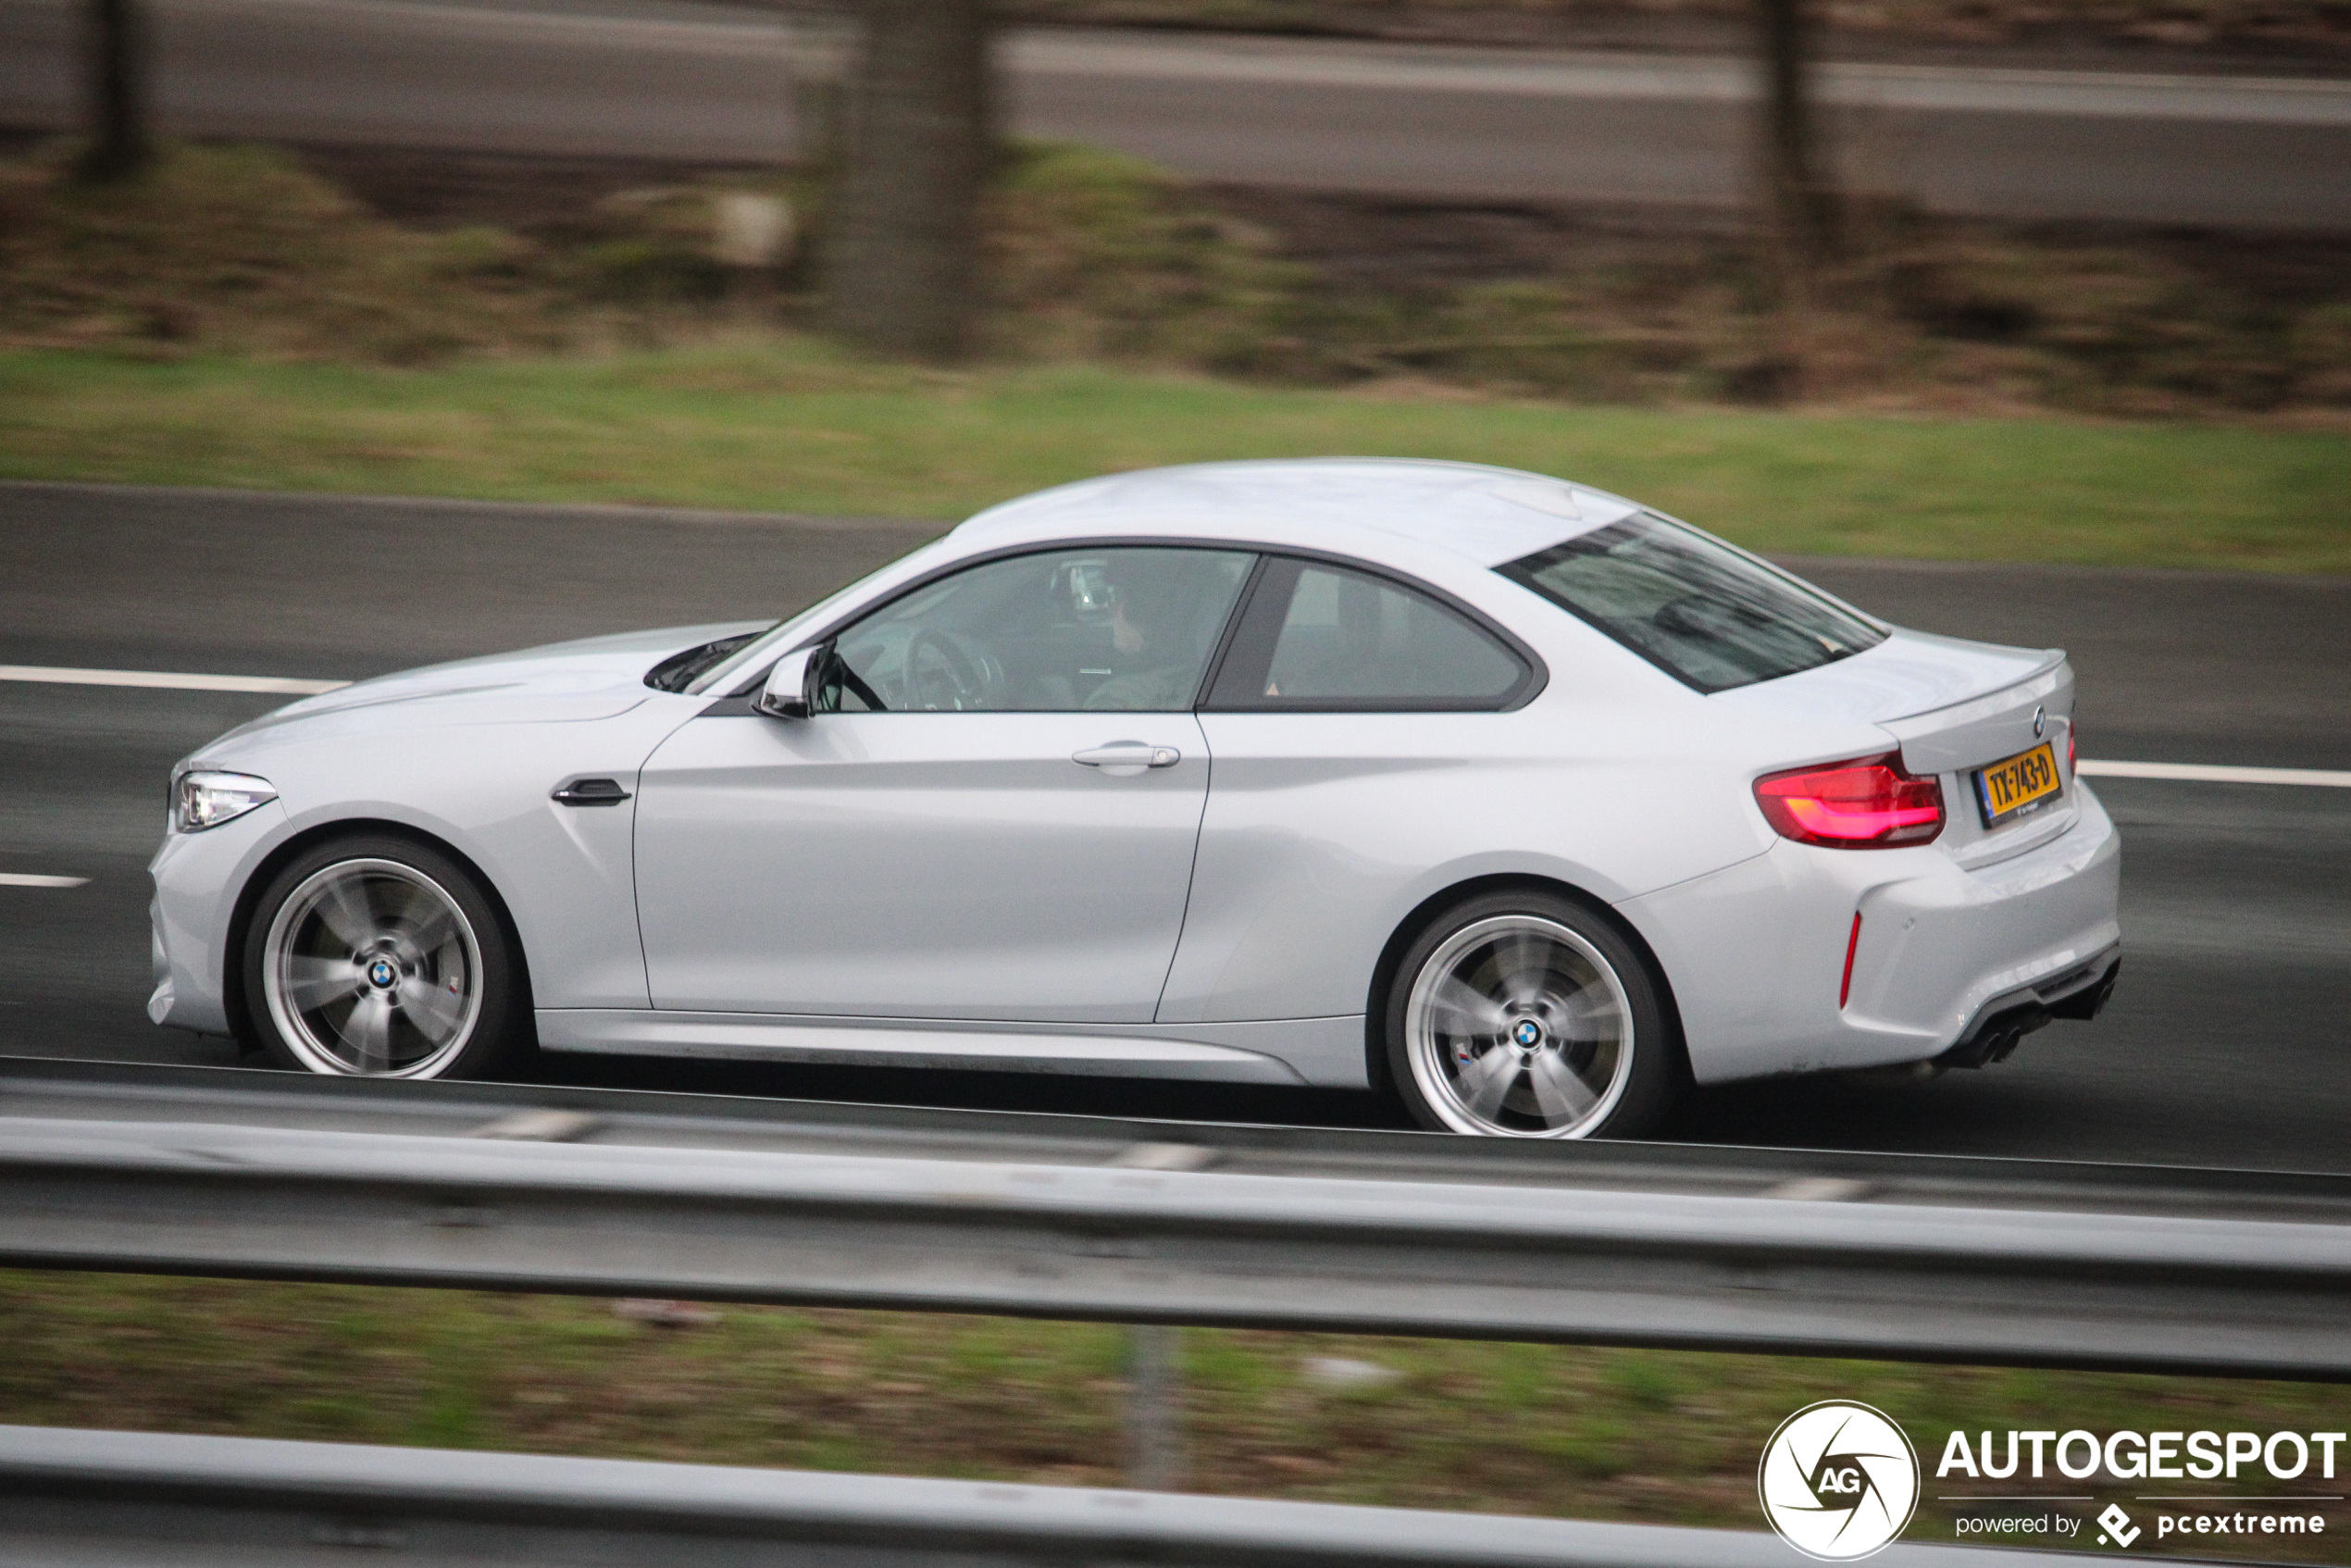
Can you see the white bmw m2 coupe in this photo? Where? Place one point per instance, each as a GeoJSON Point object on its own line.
{"type": "Point", "coordinates": [1512, 799]}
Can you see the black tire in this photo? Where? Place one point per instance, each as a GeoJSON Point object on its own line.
{"type": "Point", "coordinates": [1597, 1011]}
{"type": "Point", "coordinates": [436, 989]}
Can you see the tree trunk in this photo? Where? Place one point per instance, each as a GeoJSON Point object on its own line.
{"type": "Point", "coordinates": [1801, 200]}
{"type": "Point", "coordinates": [114, 82]}
{"type": "Point", "coordinates": [904, 255]}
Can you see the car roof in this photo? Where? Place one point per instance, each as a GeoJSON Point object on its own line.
{"type": "Point", "coordinates": [1484, 515]}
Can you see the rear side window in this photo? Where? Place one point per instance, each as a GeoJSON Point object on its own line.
{"type": "Point", "coordinates": [1697, 609]}
{"type": "Point", "coordinates": [1323, 637]}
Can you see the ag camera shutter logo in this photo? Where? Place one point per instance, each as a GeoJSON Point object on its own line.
{"type": "Point", "coordinates": [1838, 1480]}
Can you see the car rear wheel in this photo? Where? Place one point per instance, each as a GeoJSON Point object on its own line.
{"type": "Point", "coordinates": [1524, 1014]}
{"type": "Point", "coordinates": [380, 957]}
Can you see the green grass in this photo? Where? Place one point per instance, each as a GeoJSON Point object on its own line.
{"type": "Point", "coordinates": [793, 427]}
{"type": "Point", "coordinates": [1556, 1430]}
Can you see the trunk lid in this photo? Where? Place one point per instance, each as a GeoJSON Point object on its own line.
{"type": "Point", "coordinates": [1952, 708]}
{"type": "Point", "coordinates": [1950, 705]}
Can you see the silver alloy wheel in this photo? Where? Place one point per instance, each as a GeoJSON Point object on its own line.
{"type": "Point", "coordinates": [1518, 1027]}
{"type": "Point", "coordinates": [371, 968]}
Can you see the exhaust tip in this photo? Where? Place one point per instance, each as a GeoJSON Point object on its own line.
{"type": "Point", "coordinates": [1994, 1038]}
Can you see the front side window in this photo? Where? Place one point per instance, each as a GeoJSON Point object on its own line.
{"type": "Point", "coordinates": [1119, 628]}
{"type": "Point", "coordinates": [1324, 637]}
{"type": "Point", "coordinates": [1697, 609]}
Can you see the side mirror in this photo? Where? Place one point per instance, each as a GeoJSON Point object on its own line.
{"type": "Point", "coordinates": [787, 693]}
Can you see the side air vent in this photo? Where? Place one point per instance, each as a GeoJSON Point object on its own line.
{"type": "Point", "coordinates": [590, 792]}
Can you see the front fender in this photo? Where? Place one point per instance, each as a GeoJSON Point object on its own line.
{"type": "Point", "coordinates": [565, 874]}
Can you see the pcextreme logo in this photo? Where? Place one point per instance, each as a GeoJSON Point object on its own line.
{"type": "Point", "coordinates": [1838, 1480]}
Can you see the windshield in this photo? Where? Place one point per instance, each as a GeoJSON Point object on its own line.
{"type": "Point", "coordinates": [1693, 606]}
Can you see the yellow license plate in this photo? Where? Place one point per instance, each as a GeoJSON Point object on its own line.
{"type": "Point", "coordinates": [2020, 784]}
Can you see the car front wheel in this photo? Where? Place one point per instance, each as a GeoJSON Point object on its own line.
{"type": "Point", "coordinates": [380, 957]}
{"type": "Point", "coordinates": [1524, 1014]}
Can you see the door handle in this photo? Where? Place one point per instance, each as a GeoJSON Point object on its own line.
{"type": "Point", "coordinates": [1123, 759]}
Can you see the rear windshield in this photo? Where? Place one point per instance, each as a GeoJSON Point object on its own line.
{"type": "Point", "coordinates": [1697, 610]}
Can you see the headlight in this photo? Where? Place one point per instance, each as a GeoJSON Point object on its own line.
{"type": "Point", "coordinates": [208, 800]}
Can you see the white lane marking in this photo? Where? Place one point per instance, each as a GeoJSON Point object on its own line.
{"type": "Point", "coordinates": [27, 879]}
{"type": "Point", "coordinates": [1048, 51]}
{"type": "Point", "coordinates": [172, 680]}
{"type": "Point", "coordinates": [823, 47]}
{"type": "Point", "coordinates": [774, 37]}
{"type": "Point", "coordinates": [2208, 773]}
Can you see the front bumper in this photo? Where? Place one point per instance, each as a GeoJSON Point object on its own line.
{"type": "Point", "coordinates": [197, 877]}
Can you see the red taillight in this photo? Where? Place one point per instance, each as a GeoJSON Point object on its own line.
{"type": "Point", "coordinates": [1869, 804]}
{"type": "Point", "coordinates": [2070, 768]}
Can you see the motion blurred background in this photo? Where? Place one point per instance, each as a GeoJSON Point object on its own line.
{"type": "Point", "coordinates": [2132, 209]}
{"type": "Point", "coordinates": [2021, 319]}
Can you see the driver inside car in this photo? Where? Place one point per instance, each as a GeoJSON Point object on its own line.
{"type": "Point", "coordinates": [1123, 627]}
{"type": "Point", "coordinates": [1156, 604]}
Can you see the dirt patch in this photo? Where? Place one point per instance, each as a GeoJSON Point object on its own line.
{"type": "Point", "coordinates": [433, 189]}
{"type": "Point", "coordinates": [371, 257]}
{"type": "Point", "coordinates": [403, 257]}
{"type": "Point", "coordinates": [1638, 305]}
{"type": "Point", "coordinates": [1384, 242]}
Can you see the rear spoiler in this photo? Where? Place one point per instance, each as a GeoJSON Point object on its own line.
{"type": "Point", "coordinates": [1981, 730]}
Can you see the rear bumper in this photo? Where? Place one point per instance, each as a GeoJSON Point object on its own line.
{"type": "Point", "coordinates": [1947, 956]}
{"type": "Point", "coordinates": [2000, 1024]}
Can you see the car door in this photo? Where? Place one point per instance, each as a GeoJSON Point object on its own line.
{"type": "Point", "coordinates": [991, 814]}
{"type": "Point", "coordinates": [1364, 730]}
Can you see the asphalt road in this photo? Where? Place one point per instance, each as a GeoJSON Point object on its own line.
{"type": "Point", "coordinates": [673, 79]}
{"type": "Point", "coordinates": [2225, 1045]}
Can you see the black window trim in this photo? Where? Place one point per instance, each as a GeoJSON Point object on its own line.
{"type": "Point", "coordinates": [737, 703]}
{"type": "Point", "coordinates": [1234, 621]}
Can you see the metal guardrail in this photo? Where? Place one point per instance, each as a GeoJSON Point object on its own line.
{"type": "Point", "coordinates": [2222, 1273]}
{"type": "Point", "coordinates": [91, 1498]}
{"type": "Point", "coordinates": [104, 1090]}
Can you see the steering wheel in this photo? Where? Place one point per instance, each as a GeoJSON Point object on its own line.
{"type": "Point", "coordinates": [953, 680]}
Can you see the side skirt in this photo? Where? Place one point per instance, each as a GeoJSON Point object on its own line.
{"type": "Point", "coordinates": [1326, 1052]}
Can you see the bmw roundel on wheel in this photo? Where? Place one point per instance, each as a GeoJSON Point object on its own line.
{"type": "Point", "coordinates": [1512, 799]}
